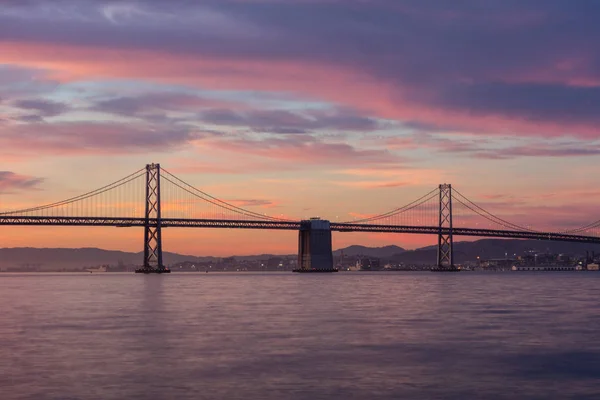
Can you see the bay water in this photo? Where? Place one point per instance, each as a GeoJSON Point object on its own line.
{"type": "Point", "coordinates": [350, 335]}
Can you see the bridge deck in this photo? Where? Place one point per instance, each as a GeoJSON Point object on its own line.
{"type": "Point", "coordinates": [286, 225]}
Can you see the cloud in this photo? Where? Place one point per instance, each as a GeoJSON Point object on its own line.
{"type": "Point", "coordinates": [304, 149]}
{"type": "Point", "coordinates": [19, 81]}
{"type": "Point", "coordinates": [240, 153]}
{"type": "Point", "coordinates": [45, 108]}
{"type": "Point", "coordinates": [373, 184]}
{"type": "Point", "coordinates": [252, 203]}
{"type": "Point", "coordinates": [11, 182]}
{"type": "Point", "coordinates": [533, 102]}
{"type": "Point", "coordinates": [157, 102]}
{"type": "Point", "coordinates": [30, 118]}
{"type": "Point", "coordinates": [541, 150]}
{"type": "Point", "coordinates": [91, 138]}
{"type": "Point", "coordinates": [509, 67]}
{"type": "Point", "coordinates": [180, 165]}
{"type": "Point", "coordinates": [494, 196]}
{"type": "Point", "coordinates": [482, 148]}
{"type": "Point", "coordinates": [236, 114]}
{"type": "Point", "coordinates": [288, 122]}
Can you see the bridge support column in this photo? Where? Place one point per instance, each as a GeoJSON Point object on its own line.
{"type": "Point", "coordinates": [153, 257]}
{"type": "Point", "coordinates": [314, 247]}
{"type": "Point", "coordinates": [445, 254]}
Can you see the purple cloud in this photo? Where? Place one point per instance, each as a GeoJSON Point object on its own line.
{"type": "Point", "coordinates": [252, 203]}
{"type": "Point", "coordinates": [540, 150]}
{"type": "Point", "coordinates": [535, 102]}
{"type": "Point", "coordinates": [10, 182]}
{"type": "Point", "coordinates": [487, 149]}
{"type": "Point", "coordinates": [152, 102]}
{"type": "Point", "coordinates": [307, 149]}
{"type": "Point", "coordinates": [288, 122]}
{"type": "Point", "coordinates": [17, 82]}
{"type": "Point", "coordinates": [508, 59]}
{"type": "Point", "coordinates": [30, 118]}
{"type": "Point", "coordinates": [90, 137]}
{"type": "Point", "coordinates": [46, 108]}
{"type": "Point", "coordinates": [224, 113]}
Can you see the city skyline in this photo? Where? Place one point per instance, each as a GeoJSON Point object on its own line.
{"type": "Point", "coordinates": [335, 109]}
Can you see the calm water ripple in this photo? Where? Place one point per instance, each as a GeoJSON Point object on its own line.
{"type": "Point", "coordinates": [286, 336]}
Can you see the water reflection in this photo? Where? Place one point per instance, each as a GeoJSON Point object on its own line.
{"type": "Point", "coordinates": [273, 336]}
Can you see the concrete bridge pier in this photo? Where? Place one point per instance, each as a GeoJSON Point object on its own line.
{"type": "Point", "coordinates": [314, 246]}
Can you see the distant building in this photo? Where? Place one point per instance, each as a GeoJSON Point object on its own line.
{"type": "Point", "coordinates": [545, 268]}
{"type": "Point", "coordinates": [369, 264]}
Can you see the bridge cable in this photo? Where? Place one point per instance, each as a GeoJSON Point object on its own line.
{"type": "Point", "coordinates": [591, 225]}
{"type": "Point", "coordinates": [217, 202]}
{"type": "Point", "coordinates": [84, 196]}
{"type": "Point", "coordinates": [489, 216]}
{"type": "Point", "coordinates": [432, 194]}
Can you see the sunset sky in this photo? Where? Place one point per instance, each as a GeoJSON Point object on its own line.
{"type": "Point", "coordinates": [333, 108]}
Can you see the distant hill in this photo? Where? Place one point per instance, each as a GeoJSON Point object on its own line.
{"type": "Point", "coordinates": [380, 252]}
{"type": "Point", "coordinates": [495, 248]}
{"type": "Point", "coordinates": [53, 258]}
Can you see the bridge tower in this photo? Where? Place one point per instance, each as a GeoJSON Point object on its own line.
{"type": "Point", "coordinates": [314, 246]}
{"type": "Point", "coordinates": [445, 255]}
{"type": "Point", "coordinates": [153, 257]}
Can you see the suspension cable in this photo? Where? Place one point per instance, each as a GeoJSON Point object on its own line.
{"type": "Point", "coordinates": [432, 194]}
{"type": "Point", "coordinates": [591, 225]}
{"type": "Point", "coordinates": [84, 196]}
{"type": "Point", "coordinates": [215, 201]}
{"type": "Point", "coordinates": [490, 216]}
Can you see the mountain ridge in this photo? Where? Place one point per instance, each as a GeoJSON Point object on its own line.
{"type": "Point", "coordinates": [383, 251]}
{"type": "Point", "coordinates": [76, 258]}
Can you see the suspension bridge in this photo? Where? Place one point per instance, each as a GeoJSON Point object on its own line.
{"type": "Point", "coordinates": [153, 198]}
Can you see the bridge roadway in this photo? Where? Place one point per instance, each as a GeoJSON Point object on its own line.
{"type": "Point", "coordinates": [287, 225]}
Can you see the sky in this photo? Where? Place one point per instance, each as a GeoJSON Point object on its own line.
{"type": "Point", "coordinates": [301, 108]}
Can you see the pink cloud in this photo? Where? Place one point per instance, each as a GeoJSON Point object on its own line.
{"type": "Point", "coordinates": [373, 184]}
{"type": "Point", "coordinates": [300, 148]}
{"type": "Point", "coordinates": [12, 182]}
{"type": "Point", "coordinates": [486, 148]}
{"type": "Point", "coordinates": [447, 78]}
{"type": "Point", "coordinates": [253, 203]}
{"type": "Point", "coordinates": [345, 85]}
{"type": "Point", "coordinates": [28, 140]}
{"type": "Point", "coordinates": [185, 166]}
{"type": "Point", "coordinates": [161, 102]}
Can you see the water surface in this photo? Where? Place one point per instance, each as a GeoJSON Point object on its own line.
{"type": "Point", "coordinates": [287, 336]}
